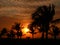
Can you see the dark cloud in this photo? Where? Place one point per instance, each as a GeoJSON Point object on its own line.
{"type": "Point", "coordinates": [20, 3]}
{"type": "Point", "coordinates": [31, 0]}
{"type": "Point", "coordinates": [21, 7]}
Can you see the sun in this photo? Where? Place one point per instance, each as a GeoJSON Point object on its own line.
{"type": "Point", "coordinates": [25, 30]}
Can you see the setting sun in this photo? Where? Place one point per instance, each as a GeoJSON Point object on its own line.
{"type": "Point", "coordinates": [25, 30]}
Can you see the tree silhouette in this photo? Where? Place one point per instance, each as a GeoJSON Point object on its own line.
{"type": "Point", "coordinates": [48, 13]}
{"type": "Point", "coordinates": [19, 34]}
{"type": "Point", "coordinates": [55, 31]}
{"type": "Point", "coordinates": [11, 35]}
{"type": "Point", "coordinates": [4, 30]}
{"type": "Point", "coordinates": [17, 27]}
{"type": "Point", "coordinates": [32, 29]}
{"type": "Point", "coordinates": [42, 17]}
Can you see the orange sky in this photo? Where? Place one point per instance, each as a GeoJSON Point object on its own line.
{"type": "Point", "coordinates": [12, 11]}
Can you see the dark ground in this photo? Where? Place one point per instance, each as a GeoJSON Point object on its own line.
{"type": "Point", "coordinates": [29, 42]}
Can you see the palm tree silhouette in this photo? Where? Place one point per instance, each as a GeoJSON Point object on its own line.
{"type": "Point", "coordinates": [42, 17]}
{"type": "Point", "coordinates": [48, 13]}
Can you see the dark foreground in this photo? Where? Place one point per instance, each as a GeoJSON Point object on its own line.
{"type": "Point", "coordinates": [29, 42]}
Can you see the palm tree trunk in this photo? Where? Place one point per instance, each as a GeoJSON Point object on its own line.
{"type": "Point", "coordinates": [47, 28]}
{"type": "Point", "coordinates": [46, 34]}
{"type": "Point", "coordinates": [17, 34]}
{"type": "Point", "coordinates": [42, 31]}
{"type": "Point", "coordinates": [43, 35]}
{"type": "Point", "coordinates": [54, 36]}
{"type": "Point", "coordinates": [32, 36]}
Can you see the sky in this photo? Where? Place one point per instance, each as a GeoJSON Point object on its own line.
{"type": "Point", "coordinates": [20, 10]}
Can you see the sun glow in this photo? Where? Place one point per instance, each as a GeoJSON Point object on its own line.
{"type": "Point", "coordinates": [25, 30]}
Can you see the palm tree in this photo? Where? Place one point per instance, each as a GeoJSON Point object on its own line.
{"type": "Point", "coordinates": [42, 17]}
{"type": "Point", "coordinates": [37, 19]}
{"type": "Point", "coordinates": [48, 13]}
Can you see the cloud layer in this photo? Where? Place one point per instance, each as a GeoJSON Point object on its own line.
{"type": "Point", "coordinates": [22, 9]}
